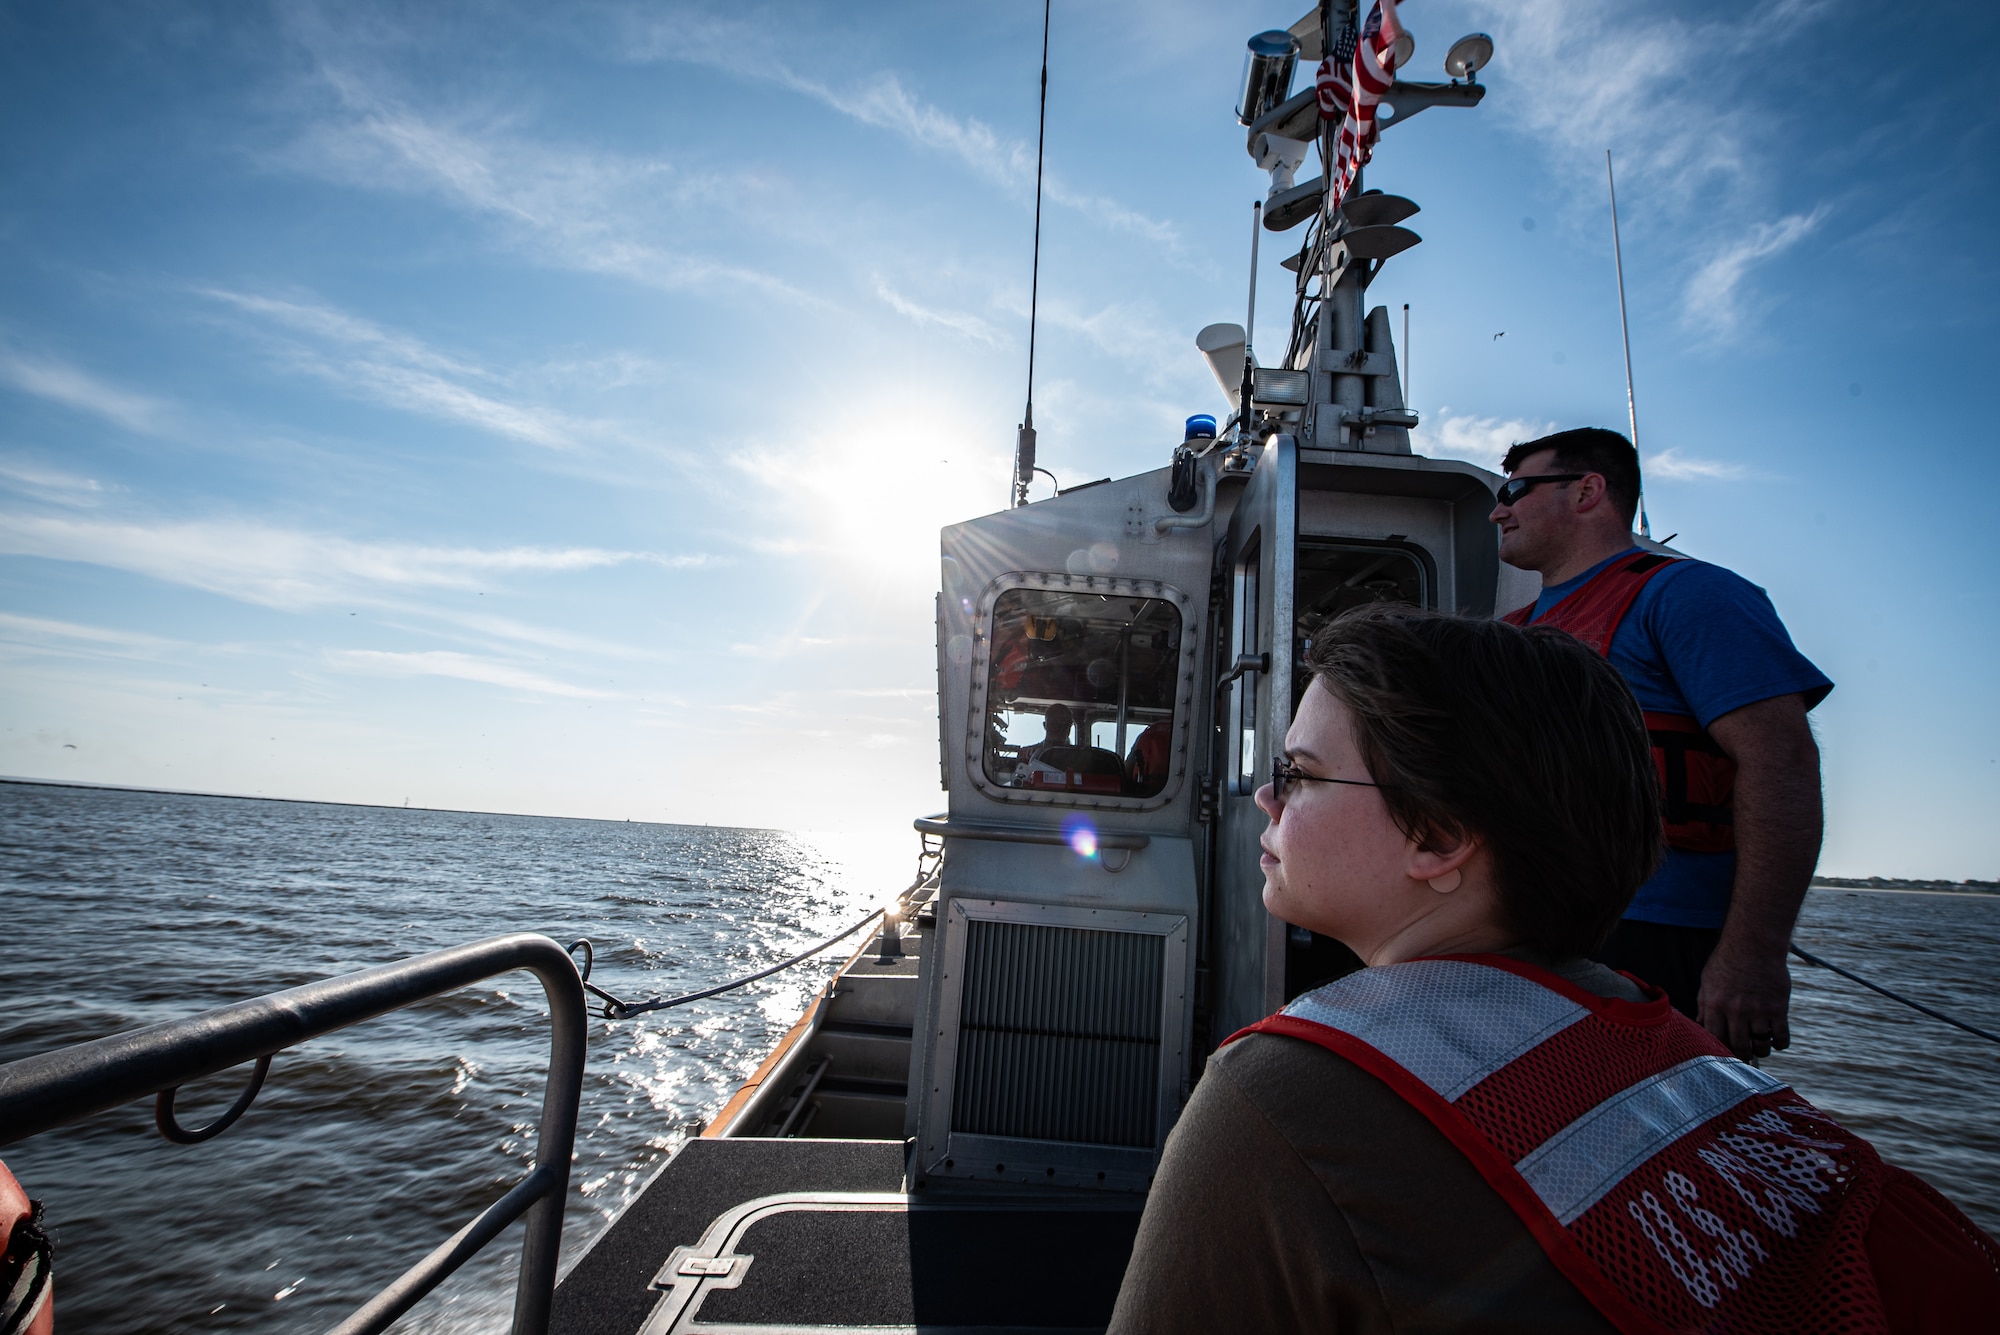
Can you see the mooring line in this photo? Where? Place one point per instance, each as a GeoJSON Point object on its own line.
{"type": "Point", "coordinates": [1811, 958]}
{"type": "Point", "coordinates": [616, 1009]}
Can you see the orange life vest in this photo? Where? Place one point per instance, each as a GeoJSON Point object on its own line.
{"type": "Point", "coordinates": [1697, 777]}
{"type": "Point", "coordinates": [1678, 1188]}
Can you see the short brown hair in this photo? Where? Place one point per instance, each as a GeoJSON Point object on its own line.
{"type": "Point", "coordinates": [1590, 449]}
{"type": "Point", "coordinates": [1523, 739]}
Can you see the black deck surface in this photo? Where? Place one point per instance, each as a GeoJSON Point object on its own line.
{"type": "Point", "coordinates": [946, 1263]}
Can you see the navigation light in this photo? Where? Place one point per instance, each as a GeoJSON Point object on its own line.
{"type": "Point", "coordinates": [1267, 73]}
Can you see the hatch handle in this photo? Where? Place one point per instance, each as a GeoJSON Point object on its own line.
{"type": "Point", "coordinates": [1245, 663]}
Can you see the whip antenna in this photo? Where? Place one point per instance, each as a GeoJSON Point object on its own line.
{"type": "Point", "coordinates": [1625, 329]}
{"type": "Point", "coordinates": [1024, 445]}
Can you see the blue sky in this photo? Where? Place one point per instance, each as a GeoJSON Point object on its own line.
{"type": "Point", "coordinates": [553, 408]}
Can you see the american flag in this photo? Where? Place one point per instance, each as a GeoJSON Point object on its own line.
{"type": "Point", "coordinates": [1334, 82]}
{"type": "Point", "coordinates": [1351, 82]}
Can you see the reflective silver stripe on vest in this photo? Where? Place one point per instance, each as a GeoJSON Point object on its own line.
{"type": "Point", "coordinates": [1573, 1169]}
{"type": "Point", "coordinates": [1448, 1023]}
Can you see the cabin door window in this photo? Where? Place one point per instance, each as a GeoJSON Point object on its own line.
{"type": "Point", "coordinates": [1080, 692]}
{"type": "Point", "coordinates": [1336, 577]}
{"type": "Point", "coordinates": [1244, 637]}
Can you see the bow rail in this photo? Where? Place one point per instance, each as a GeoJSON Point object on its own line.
{"type": "Point", "coordinates": [53, 1089]}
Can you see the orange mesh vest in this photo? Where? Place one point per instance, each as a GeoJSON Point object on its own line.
{"type": "Point", "coordinates": [1678, 1188]}
{"type": "Point", "coordinates": [1697, 778]}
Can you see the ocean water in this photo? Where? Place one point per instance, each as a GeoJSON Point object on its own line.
{"type": "Point", "coordinates": [368, 1147]}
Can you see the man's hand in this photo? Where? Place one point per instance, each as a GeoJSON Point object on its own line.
{"type": "Point", "coordinates": [1746, 998]}
{"type": "Point", "coordinates": [1746, 988]}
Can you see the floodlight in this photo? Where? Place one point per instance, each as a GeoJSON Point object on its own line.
{"type": "Point", "coordinates": [1469, 55]}
{"type": "Point", "coordinates": [1276, 387]}
{"type": "Point", "coordinates": [1406, 46]}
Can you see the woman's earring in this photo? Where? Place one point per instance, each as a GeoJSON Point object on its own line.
{"type": "Point", "coordinates": [1448, 882]}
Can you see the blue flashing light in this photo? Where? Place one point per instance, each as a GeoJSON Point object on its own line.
{"type": "Point", "coordinates": [1200, 426]}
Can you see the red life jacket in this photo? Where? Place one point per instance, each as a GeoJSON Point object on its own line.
{"type": "Point", "coordinates": [1697, 777]}
{"type": "Point", "coordinates": [1678, 1188]}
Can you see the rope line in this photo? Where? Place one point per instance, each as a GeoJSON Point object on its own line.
{"type": "Point", "coordinates": [615, 1009]}
{"type": "Point", "coordinates": [1813, 959]}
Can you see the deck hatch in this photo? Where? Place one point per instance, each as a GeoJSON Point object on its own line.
{"type": "Point", "coordinates": [1059, 1034]}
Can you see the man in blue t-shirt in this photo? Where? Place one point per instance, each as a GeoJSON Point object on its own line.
{"type": "Point", "coordinates": [1702, 642]}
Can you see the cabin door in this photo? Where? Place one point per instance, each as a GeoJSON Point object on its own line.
{"type": "Point", "coordinates": [1247, 945]}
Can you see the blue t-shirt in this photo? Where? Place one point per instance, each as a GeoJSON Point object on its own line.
{"type": "Point", "coordinates": [1698, 640]}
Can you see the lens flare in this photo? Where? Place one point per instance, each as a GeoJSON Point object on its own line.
{"type": "Point", "coordinates": [1082, 836]}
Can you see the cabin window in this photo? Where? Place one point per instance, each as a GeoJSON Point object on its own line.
{"type": "Point", "coordinates": [1080, 692]}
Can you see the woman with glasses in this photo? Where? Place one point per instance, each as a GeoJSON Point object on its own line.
{"type": "Point", "coordinates": [1481, 1128]}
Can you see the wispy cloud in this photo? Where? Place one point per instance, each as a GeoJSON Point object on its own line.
{"type": "Point", "coordinates": [49, 484]}
{"type": "Point", "coordinates": [382, 366]}
{"type": "Point", "coordinates": [1713, 303]}
{"type": "Point", "coordinates": [289, 568]}
{"type": "Point", "coordinates": [462, 667]}
{"type": "Point", "coordinates": [1483, 440]}
{"type": "Point", "coordinates": [60, 382]}
{"type": "Point", "coordinates": [42, 631]}
{"type": "Point", "coordinates": [1674, 466]}
{"type": "Point", "coordinates": [783, 646]}
{"type": "Point", "coordinates": [959, 322]}
{"type": "Point", "coordinates": [883, 102]}
{"type": "Point", "coordinates": [1672, 95]}
{"type": "Point", "coordinates": [1653, 83]}
{"type": "Point", "coordinates": [563, 205]}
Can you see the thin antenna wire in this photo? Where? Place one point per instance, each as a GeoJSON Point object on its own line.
{"type": "Point", "coordinates": [1024, 448]}
{"type": "Point", "coordinates": [1250, 318]}
{"type": "Point", "coordinates": [1250, 327]}
{"type": "Point", "coordinates": [1625, 329]}
{"type": "Point", "coordinates": [1407, 400]}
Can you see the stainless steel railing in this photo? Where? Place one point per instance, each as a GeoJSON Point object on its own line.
{"type": "Point", "coordinates": [55, 1088]}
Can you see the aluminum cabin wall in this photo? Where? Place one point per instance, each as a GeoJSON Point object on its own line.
{"type": "Point", "coordinates": [1100, 539]}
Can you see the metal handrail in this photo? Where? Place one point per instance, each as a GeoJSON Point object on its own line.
{"type": "Point", "coordinates": [56, 1088]}
{"type": "Point", "coordinates": [945, 827]}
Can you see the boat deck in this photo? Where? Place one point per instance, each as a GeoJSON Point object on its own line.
{"type": "Point", "coordinates": [768, 1235]}
{"type": "Point", "coordinates": [791, 1214]}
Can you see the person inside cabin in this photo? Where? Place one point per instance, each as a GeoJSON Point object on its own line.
{"type": "Point", "coordinates": [1146, 763]}
{"type": "Point", "coordinates": [1057, 725]}
{"type": "Point", "coordinates": [1483, 1128]}
{"type": "Point", "coordinates": [1725, 695]}
{"type": "Point", "coordinates": [27, 1282]}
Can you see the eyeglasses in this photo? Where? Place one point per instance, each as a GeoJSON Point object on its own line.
{"type": "Point", "coordinates": [1514, 488]}
{"type": "Point", "coordinates": [1284, 774]}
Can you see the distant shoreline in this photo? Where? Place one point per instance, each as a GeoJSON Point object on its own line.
{"type": "Point", "coordinates": [1877, 885]}
{"type": "Point", "coordinates": [20, 782]}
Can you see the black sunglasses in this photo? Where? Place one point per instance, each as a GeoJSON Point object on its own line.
{"type": "Point", "coordinates": [1284, 774]}
{"type": "Point", "coordinates": [1514, 488]}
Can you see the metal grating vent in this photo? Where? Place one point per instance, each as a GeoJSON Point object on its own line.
{"type": "Point", "coordinates": [1059, 1034]}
